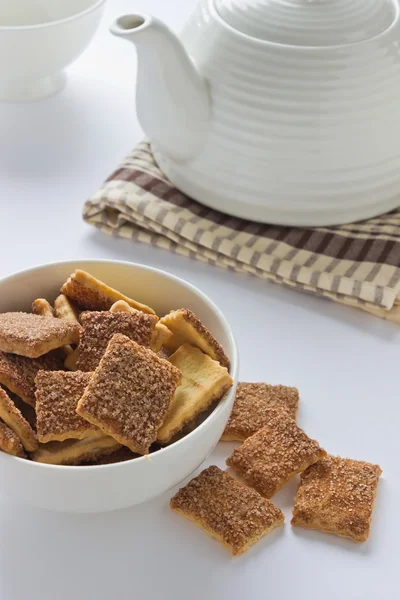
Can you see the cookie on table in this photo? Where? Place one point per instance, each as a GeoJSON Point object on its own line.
{"type": "Point", "coordinates": [92, 294]}
{"type": "Point", "coordinates": [57, 396]}
{"type": "Point", "coordinates": [74, 452]}
{"type": "Point", "coordinates": [42, 308]}
{"type": "Point", "coordinates": [10, 442]}
{"type": "Point", "coordinates": [229, 511]}
{"type": "Point", "coordinates": [254, 405]}
{"type": "Point", "coordinates": [130, 393]}
{"type": "Point", "coordinates": [187, 328]}
{"type": "Point", "coordinates": [13, 418]}
{"type": "Point", "coordinates": [203, 382]}
{"type": "Point", "coordinates": [99, 327]}
{"type": "Point", "coordinates": [33, 335]}
{"type": "Point", "coordinates": [274, 455]}
{"type": "Point", "coordinates": [17, 373]}
{"type": "Point", "coordinates": [337, 495]}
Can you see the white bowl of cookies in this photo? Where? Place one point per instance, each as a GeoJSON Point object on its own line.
{"type": "Point", "coordinates": [116, 382]}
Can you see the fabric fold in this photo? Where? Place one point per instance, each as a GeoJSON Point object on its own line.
{"type": "Point", "coordinates": [356, 264]}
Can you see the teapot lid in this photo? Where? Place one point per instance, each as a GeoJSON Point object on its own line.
{"type": "Point", "coordinates": [308, 22]}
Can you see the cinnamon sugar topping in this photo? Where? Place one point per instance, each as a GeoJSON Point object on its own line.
{"type": "Point", "coordinates": [337, 495]}
{"type": "Point", "coordinates": [91, 293]}
{"type": "Point", "coordinates": [17, 373]}
{"type": "Point", "coordinates": [255, 404]}
{"type": "Point", "coordinates": [99, 327]}
{"type": "Point", "coordinates": [57, 396]}
{"type": "Point", "coordinates": [231, 512]}
{"type": "Point", "coordinates": [130, 393]}
{"type": "Point", "coordinates": [33, 335]}
{"type": "Point", "coordinates": [272, 456]}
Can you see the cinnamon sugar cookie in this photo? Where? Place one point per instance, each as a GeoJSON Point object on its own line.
{"type": "Point", "coordinates": [32, 335]}
{"type": "Point", "coordinates": [203, 381]}
{"type": "Point", "coordinates": [187, 328]}
{"type": "Point", "coordinates": [337, 495]}
{"type": "Point", "coordinates": [254, 405]}
{"type": "Point", "coordinates": [99, 327]}
{"type": "Point", "coordinates": [130, 393]}
{"type": "Point", "coordinates": [92, 294]}
{"type": "Point", "coordinates": [272, 456]}
{"type": "Point", "coordinates": [57, 396]}
{"type": "Point", "coordinates": [17, 373]}
{"type": "Point", "coordinates": [229, 511]}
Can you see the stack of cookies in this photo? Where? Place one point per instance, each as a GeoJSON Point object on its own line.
{"type": "Point", "coordinates": [98, 377]}
{"type": "Point", "coordinates": [335, 494]}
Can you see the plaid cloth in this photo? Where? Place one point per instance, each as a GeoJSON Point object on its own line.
{"type": "Point", "coordinates": [357, 264]}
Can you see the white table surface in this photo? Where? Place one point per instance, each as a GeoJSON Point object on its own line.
{"type": "Point", "coordinates": [53, 154]}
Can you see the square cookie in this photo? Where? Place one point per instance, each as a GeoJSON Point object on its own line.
{"type": "Point", "coordinates": [203, 382]}
{"type": "Point", "coordinates": [99, 327]}
{"type": "Point", "coordinates": [337, 495]}
{"type": "Point", "coordinates": [229, 511]}
{"type": "Point", "coordinates": [17, 373]}
{"type": "Point", "coordinates": [274, 455]}
{"type": "Point", "coordinates": [130, 393]}
{"type": "Point", "coordinates": [187, 328]}
{"type": "Point", "coordinates": [254, 405]}
{"type": "Point", "coordinates": [33, 335]}
{"type": "Point", "coordinates": [57, 396]}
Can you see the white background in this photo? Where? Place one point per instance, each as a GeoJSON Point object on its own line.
{"type": "Point", "coordinates": [53, 154]}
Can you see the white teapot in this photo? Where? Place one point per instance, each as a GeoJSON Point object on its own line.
{"type": "Point", "coordinates": [280, 111]}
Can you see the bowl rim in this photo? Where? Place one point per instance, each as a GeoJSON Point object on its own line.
{"type": "Point", "coordinates": [234, 362]}
{"type": "Point", "coordinates": [96, 4]}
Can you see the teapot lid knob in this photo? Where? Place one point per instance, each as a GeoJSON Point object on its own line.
{"type": "Point", "coordinates": [309, 22]}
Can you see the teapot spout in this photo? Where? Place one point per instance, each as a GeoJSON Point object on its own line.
{"type": "Point", "coordinates": [172, 100]}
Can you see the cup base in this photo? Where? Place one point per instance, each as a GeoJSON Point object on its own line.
{"type": "Point", "coordinates": [31, 90]}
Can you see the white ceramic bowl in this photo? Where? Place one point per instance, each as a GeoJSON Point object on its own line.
{"type": "Point", "coordinates": [38, 39]}
{"type": "Point", "coordinates": [111, 487]}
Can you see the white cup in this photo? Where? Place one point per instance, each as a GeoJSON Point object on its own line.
{"type": "Point", "coordinates": [38, 39]}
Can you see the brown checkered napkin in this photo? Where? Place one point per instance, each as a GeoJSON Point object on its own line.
{"type": "Point", "coordinates": [356, 264]}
